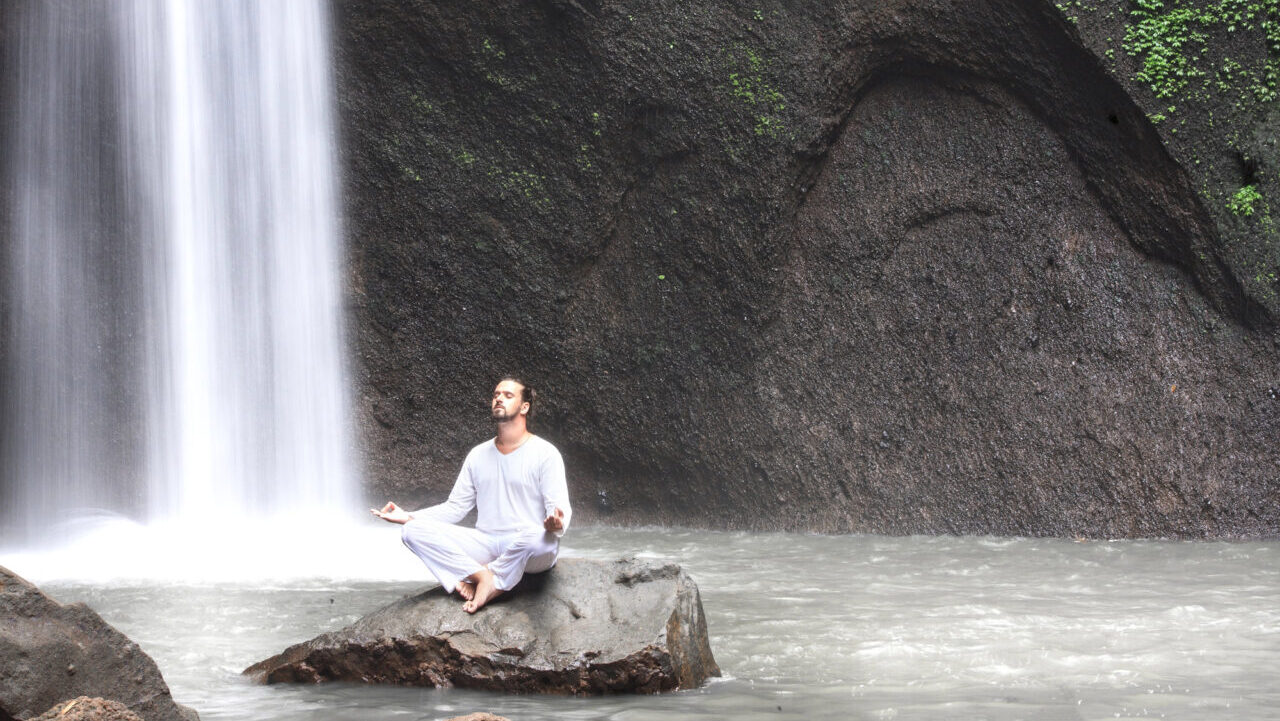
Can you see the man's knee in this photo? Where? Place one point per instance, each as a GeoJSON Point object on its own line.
{"type": "Point", "coordinates": [419, 530]}
{"type": "Point", "coordinates": [532, 551]}
{"type": "Point", "coordinates": [532, 540]}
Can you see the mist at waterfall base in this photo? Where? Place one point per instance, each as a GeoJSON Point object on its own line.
{"type": "Point", "coordinates": [174, 380]}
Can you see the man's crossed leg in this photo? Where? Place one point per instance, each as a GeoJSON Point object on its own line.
{"type": "Point", "coordinates": [478, 565]}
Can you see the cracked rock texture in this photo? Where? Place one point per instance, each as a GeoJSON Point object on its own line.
{"type": "Point", "coordinates": [903, 266]}
{"type": "Point", "coordinates": [585, 627]}
{"type": "Point", "coordinates": [50, 652]}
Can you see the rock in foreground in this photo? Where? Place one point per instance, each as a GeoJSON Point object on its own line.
{"type": "Point", "coordinates": [585, 627]}
{"type": "Point", "coordinates": [50, 652]}
{"type": "Point", "coordinates": [89, 709]}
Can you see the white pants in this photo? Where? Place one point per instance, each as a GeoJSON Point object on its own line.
{"type": "Point", "coordinates": [453, 553]}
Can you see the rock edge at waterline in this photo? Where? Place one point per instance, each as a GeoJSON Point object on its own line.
{"type": "Point", "coordinates": [585, 627]}
{"type": "Point", "coordinates": [50, 652]}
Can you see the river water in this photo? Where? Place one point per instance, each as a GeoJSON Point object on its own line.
{"type": "Point", "coordinates": [848, 627]}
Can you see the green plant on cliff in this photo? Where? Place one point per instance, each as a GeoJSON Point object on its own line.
{"type": "Point", "coordinates": [496, 166]}
{"type": "Point", "coordinates": [748, 83]}
{"type": "Point", "coordinates": [1245, 201]}
{"type": "Point", "coordinates": [492, 59]}
{"type": "Point", "coordinates": [1206, 73]}
{"type": "Point", "coordinates": [524, 184]}
{"type": "Point", "coordinates": [1073, 8]}
{"type": "Point", "coordinates": [1160, 39]}
{"type": "Point", "coordinates": [1169, 38]}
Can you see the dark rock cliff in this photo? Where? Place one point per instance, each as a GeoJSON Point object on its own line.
{"type": "Point", "coordinates": [1207, 74]}
{"type": "Point", "coordinates": [904, 266]}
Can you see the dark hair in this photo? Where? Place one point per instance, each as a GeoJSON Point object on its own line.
{"type": "Point", "coordinates": [527, 393]}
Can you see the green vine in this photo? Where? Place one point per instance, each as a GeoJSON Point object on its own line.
{"type": "Point", "coordinates": [1169, 39]}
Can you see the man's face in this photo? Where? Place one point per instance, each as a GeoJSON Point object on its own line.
{"type": "Point", "coordinates": [506, 401]}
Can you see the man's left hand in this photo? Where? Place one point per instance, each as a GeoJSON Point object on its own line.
{"type": "Point", "coordinates": [392, 512]}
{"type": "Point", "coordinates": [554, 522]}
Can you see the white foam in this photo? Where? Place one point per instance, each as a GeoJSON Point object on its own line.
{"type": "Point", "coordinates": [284, 548]}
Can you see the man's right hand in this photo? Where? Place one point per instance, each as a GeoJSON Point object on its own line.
{"type": "Point", "coordinates": [392, 512]}
{"type": "Point", "coordinates": [555, 522]}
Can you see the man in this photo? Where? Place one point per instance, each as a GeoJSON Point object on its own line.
{"type": "Point", "coordinates": [517, 485]}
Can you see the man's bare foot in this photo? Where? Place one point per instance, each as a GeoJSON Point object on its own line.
{"type": "Point", "coordinates": [486, 591]}
{"type": "Point", "coordinates": [466, 589]}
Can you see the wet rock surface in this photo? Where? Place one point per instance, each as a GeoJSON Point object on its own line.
{"type": "Point", "coordinates": [50, 652]}
{"type": "Point", "coordinates": [902, 267]}
{"type": "Point", "coordinates": [585, 627]}
{"type": "Point", "coordinates": [89, 709]}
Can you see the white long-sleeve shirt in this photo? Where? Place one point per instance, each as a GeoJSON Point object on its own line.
{"type": "Point", "coordinates": [510, 492]}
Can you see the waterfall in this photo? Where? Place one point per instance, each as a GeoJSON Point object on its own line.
{"type": "Point", "coordinates": [173, 346]}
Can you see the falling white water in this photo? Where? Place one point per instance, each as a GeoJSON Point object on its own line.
{"type": "Point", "coordinates": [249, 414]}
{"type": "Point", "coordinates": [175, 336]}
{"type": "Point", "coordinates": [63, 365]}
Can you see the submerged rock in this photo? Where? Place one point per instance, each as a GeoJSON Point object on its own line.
{"type": "Point", "coordinates": [585, 627]}
{"type": "Point", "coordinates": [50, 652]}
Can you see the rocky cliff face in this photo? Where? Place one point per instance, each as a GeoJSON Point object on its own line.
{"type": "Point", "coordinates": [1207, 74]}
{"type": "Point", "coordinates": [897, 266]}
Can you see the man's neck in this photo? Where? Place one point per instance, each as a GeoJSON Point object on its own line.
{"type": "Point", "coordinates": [511, 434]}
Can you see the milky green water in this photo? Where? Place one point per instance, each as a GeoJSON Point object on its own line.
{"type": "Point", "coordinates": [814, 627]}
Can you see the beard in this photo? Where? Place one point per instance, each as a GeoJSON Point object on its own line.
{"type": "Point", "coordinates": [499, 414]}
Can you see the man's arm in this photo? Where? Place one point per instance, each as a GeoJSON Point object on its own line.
{"type": "Point", "coordinates": [555, 494]}
{"type": "Point", "coordinates": [460, 502]}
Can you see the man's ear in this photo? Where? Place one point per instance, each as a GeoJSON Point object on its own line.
{"type": "Point", "coordinates": [524, 408]}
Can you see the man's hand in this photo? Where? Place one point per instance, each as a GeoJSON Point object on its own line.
{"type": "Point", "coordinates": [395, 514]}
{"type": "Point", "coordinates": [554, 522]}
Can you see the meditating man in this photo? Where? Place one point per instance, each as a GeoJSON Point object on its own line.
{"type": "Point", "coordinates": [516, 484]}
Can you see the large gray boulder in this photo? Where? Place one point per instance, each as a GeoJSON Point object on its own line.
{"type": "Point", "coordinates": [585, 627]}
{"type": "Point", "coordinates": [50, 652]}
